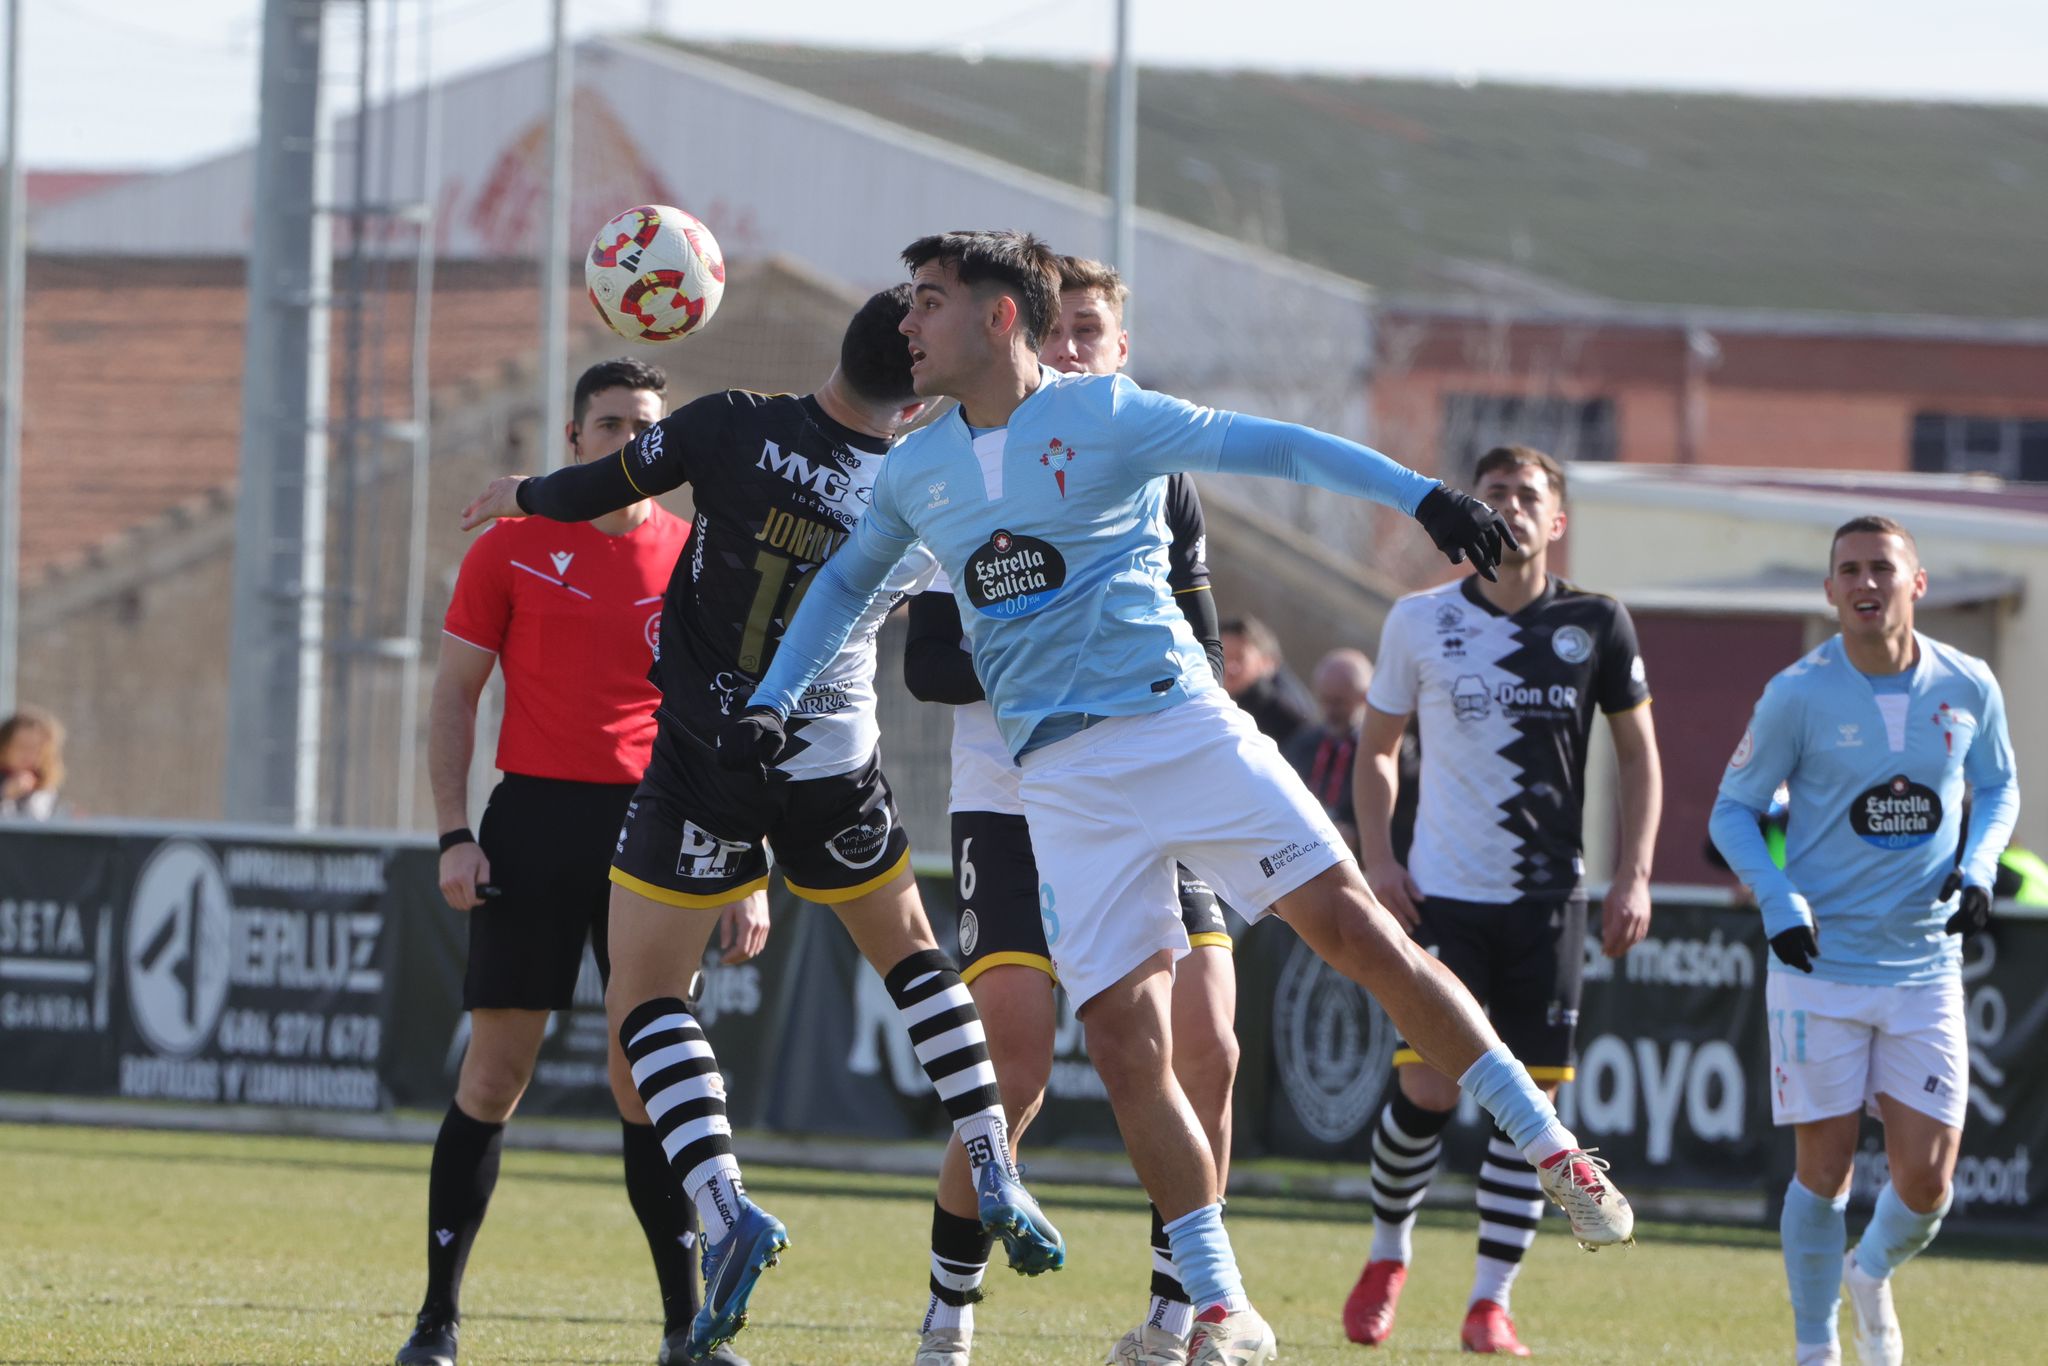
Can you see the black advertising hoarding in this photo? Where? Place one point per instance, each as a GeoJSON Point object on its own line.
{"type": "Point", "coordinates": [209, 968]}
{"type": "Point", "coordinates": [1670, 1050]}
{"type": "Point", "coordinates": [220, 967]}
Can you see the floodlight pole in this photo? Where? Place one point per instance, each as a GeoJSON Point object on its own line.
{"type": "Point", "coordinates": [1123, 152]}
{"type": "Point", "coordinates": [554, 252]}
{"type": "Point", "coordinates": [276, 642]}
{"type": "Point", "coordinates": [13, 247]}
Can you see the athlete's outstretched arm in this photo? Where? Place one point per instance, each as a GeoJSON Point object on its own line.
{"type": "Point", "coordinates": [935, 667]}
{"type": "Point", "coordinates": [1161, 434]}
{"type": "Point", "coordinates": [840, 590]}
{"type": "Point", "coordinates": [656, 461]}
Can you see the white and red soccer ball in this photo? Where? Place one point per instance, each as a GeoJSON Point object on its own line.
{"type": "Point", "coordinates": [655, 273]}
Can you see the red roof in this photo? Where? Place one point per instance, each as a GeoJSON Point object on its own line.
{"type": "Point", "coordinates": [43, 188]}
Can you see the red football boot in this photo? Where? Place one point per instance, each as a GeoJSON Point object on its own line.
{"type": "Point", "coordinates": [1369, 1308]}
{"type": "Point", "coordinates": [1488, 1329]}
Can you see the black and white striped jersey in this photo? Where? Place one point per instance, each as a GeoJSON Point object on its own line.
{"type": "Point", "coordinates": [1505, 704]}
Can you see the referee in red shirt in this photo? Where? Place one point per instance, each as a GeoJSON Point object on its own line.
{"type": "Point", "coordinates": [571, 611]}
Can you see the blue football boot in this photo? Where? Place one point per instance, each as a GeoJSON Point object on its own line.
{"type": "Point", "coordinates": [731, 1266]}
{"type": "Point", "coordinates": [1008, 1211]}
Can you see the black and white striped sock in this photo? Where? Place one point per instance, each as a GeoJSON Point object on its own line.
{"type": "Point", "coordinates": [960, 1248]}
{"type": "Point", "coordinates": [946, 1031]}
{"type": "Point", "coordinates": [1510, 1205]}
{"type": "Point", "coordinates": [1169, 1310]}
{"type": "Point", "coordinates": [1405, 1146]}
{"type": "Point", "coordinates": [677, 1078]}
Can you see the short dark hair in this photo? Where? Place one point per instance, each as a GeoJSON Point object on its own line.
{"type": "Point", "coordinates": [1021, 264]}
{"type": "Point", "coordinates": [1255, 632]}
{"type": "Point", "coordinates": [874, 358]}
{"type": "Point", "coordinates": [1509, 457]}
{"type": "Point", "coordinates": [1094, 277]}
{"type": "Point", "coordinates": [1883, 526]}
{"type": "Point", "coordinates": [622, 373]}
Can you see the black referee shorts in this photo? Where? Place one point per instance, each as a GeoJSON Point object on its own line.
{"type": "Point", "coordinates": [995, 879]}
{"type": "Point", "coordinates": [549, 843]}
{"type": "Point", "coordinates": [1523, 961]}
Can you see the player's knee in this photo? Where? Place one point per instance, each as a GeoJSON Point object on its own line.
{"type": "Point", "coordinates": [1205, 1060]}
{"type": "Point", "coordinates": [1922, 1189]}
{"type": "Point", "coordinates": [490, 1088]}
{"type": "Point", "coordinates": [1023, 1069]}
{"type": "Point", "coordinates": [1126, 1058]}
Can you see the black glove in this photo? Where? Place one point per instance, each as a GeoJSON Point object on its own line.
{"type": "Point", "coordinates": [1464, 528]}
{"type": "Point", "coordinates": [1973, 915]}
{"type": "Point", "coordinates": [1796, 947]}
{"type": "Point", "coordinates": [752, 740]}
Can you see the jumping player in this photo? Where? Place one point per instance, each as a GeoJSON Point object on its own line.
{"type": "Point", "coordinates": [565, 612]}
{"type": "Point", "coordinates": [1003, 952]}
{"type": "Point", "coordinates": [1132, 757]}
{"type": "Point", "coordinates": [1505, 676]}
{"type": "Point", "coordinates": [780, 483]}
{"type": "Point", "coordinates": [1878, 733]}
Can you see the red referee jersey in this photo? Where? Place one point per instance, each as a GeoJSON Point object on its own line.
{"type": "Point", "coordinates": [573, 616]}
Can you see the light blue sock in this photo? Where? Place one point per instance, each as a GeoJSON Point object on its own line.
{"type": "Point", "coordinates": [1813, 1231]}
{"type": "Point", "coordinates": [1204, 1261]}
{"type": "Point", "coordinates": [1896, 1233]}
{"type": "Point", "coordinates": [1503, 1089]}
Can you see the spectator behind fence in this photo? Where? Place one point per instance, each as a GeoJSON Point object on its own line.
{"type": "Point", "coordinates": [31, 765]}
{"type": "Point", "coordinates": [1258, 680]}
{"type": "Point", "coordinates": [1323, 754]}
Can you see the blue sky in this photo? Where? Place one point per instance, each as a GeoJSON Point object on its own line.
{"type": "Point", "coordinates": [121, 83]}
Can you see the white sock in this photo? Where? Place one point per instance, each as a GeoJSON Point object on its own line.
{"type": "Point", "coordinates": [986, 1137]}
{"type": "Point", "coordinates": [1171, 1316]}
{"type": "Point", "coordinates": [1493, 1279]}
{"type": "Point", "coordinates": [1553, 1139]}
{"type": "Point", "coordinates": [718, 1193]}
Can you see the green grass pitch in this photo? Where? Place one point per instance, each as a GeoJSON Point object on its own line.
{"type": "Point", "coordinates": [173, 1248]}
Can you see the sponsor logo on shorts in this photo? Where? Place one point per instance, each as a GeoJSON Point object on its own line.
{"type": "Point", "coordinates": [862, 845]}
{"type": "Point", "coordinates": [704, 855]}
{"type": "Point", "coordinates": [1571, 644]}
{"type": "Point", "coordinates": [970, 933]}
{"type": "Point", "coordinates": [1272, 863]}
{"type": "Point", "coordinates": [1332, 1044]}
{"type": "Point", "coordinates": [1898, 814]}
{"type": "Point", "coordinates": [1014, 575]}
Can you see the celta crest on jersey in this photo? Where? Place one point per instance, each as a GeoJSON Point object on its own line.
{"type": "Point", "coordinates": [1056, 457]}
{"type": "Point", "coordinates": [1014, 575]}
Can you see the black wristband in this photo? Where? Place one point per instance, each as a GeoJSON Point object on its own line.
{"type": "Point", "coordinates": [519, 494]}
{"type": "Point", "coordinates": [459, 835]}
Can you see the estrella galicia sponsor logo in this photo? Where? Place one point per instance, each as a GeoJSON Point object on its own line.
{"type": "Point", "coordinates": [1272, 863]}
{"type": "Point", "coordinates": [1571, 644]}
{"type": "Point", "coordinates": [1469, 699]}
{"type": "Point", "coordinates": [1014, 575]}
{"type": "Point", "coordinates": [863, 844]}
{"type": "Point", "coordinates": [1897, 814]}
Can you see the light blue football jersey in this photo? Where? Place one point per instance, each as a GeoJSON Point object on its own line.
{"type": "Point", "coordinates": [1053, 533]}
{"type": "Point", "coordinates": [1876, 777]}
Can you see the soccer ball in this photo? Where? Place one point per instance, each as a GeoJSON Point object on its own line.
{"type": "Point", "coordinates": [655, 274]}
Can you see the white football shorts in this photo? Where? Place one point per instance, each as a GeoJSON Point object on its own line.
{"type": "Point", "coordinates": [1835, 1045]}
{"type": "Point", "coordinates": [1113, 807]}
